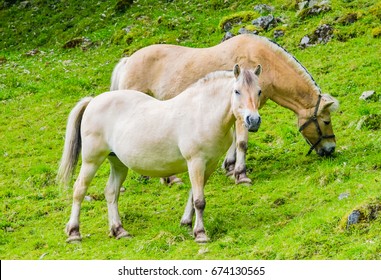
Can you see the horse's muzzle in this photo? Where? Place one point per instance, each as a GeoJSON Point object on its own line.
{"type": "Point", "coordinates": [253, 122]}
{"type": "Point", "coordinates": [326, 151]}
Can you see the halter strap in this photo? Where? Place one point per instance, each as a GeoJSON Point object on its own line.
{"type": "Point", "coordinates": [313, 119]}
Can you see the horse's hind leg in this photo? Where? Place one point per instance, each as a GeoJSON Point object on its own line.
{"type": "Point", "coordinates": [196, 169]}
{"type": "Point", "coordinates": [187, 217]}
{"type": "Point", "coordinates": [86, 174]}
{"type": "Point", "coordinates": [171, 180]}
{"type": "Point", "coordinates": [118, 174]}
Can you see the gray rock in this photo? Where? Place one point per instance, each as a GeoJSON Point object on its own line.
{"type": "Point", "coordinates": [304, 43]}
{"type": "Point", "coordinates": [353, 218]}
{"type": "Point", "coordinates": [278, 33]}
{"type": "Point", "coordinates": [312, 7]}
{"type": "Point", "coordinates": [302, 5]}
{"type": "Point", "coordinates": [322, 35]}
{"type": "Point", "coordinates": [264, 8]}
{"type": "Point", "coordinates": [245, 31]}
{"type": "Point", "coordinates": [227, 36]}
{"type": "Point", "coordinates": [265, 22]}
{"type": "Point", "coordinates": [367, 95]}
{"type": "Point", "coordinates": [228, 26]}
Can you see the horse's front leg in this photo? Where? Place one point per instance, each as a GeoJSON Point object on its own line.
{"type": "Point", "coordinates": [241, 145]}
{"type": "Point", "coordinates": [196, 169]}
{"type": "Point", "coordinates": [230, 159]}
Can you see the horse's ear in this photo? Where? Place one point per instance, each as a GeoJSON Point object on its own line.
{"type": "Point", "coordinates": [258, 70]}
{"type": "Point", "coordinates": [236, 70]}
{"type": "Point", "coordinates": [328, 102]}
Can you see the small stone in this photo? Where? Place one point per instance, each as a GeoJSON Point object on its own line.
{"type": "Point", "coordinates": [302, 5]}
{"type": "Point", "coordinates": [278, 33]}
{"type": "Point", "coordinates": [343, 196]}
{"type": "Point", "coordinates": [24, 4]}
{"type": "Point", "coordinates": [227, 36]}
{"type": "Point", "coordinates": [88, 198]}
{"type": "Point", "coordinates": [32, 52]}
{"type": "Point", "coordinates": [243, 31]}
{"type": "Point", "coordinates": [367, 94]}
{"type": "Point", "coordinates": [305, 42]}
{"type": "Point", "coordinates": [227, 26]}
{"type": "Point", "coordinates": [9, 229]}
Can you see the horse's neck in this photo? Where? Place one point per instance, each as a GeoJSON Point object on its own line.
{"type": "Point", "coordinates": [284, 80]}
{"type": "Point", "coordinates": [290, 88]}
{"type": "Point", "coordinates": [293, 97]}
{"type": "Point", "coordinates": [212, 99]}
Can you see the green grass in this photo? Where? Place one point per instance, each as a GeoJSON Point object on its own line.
{"type": "Point", "coordinates": [292, 211]}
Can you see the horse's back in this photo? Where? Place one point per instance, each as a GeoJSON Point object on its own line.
{"type": "Point", "coordinates": [164, 71]}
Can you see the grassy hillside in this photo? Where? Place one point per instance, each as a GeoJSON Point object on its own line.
{"type": "Point", "coordinates": [53, 53]}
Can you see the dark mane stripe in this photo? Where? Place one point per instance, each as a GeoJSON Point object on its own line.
{"type": "Point", "coordinates": [291, 58]}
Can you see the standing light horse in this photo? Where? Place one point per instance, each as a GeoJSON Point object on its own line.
{"type": "Point", "coordinates": [163, 71]}
{"type": "Point", "coordinates": [157, 138]}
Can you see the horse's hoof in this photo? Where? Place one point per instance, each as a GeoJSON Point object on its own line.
{"type": "Point", "coordinates": [74, 239]}
{"type": "Point", "coordinates": [201, 238]}
{"type": "Point", "coordinates": [244, 181]}
{"type": "Point", "coordinates": [172, 180]}
{"type": "Point", "coordinates": [230, 173]}
{"type": "Point", "coordinates": [186, 223]}
{"type": "Point", "coordinates": [118, 232]}
{"type": "Point", "coordinates": [124, 234]}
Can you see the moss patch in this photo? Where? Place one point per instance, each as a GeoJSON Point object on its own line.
{"type": "Point", "coordinates": [237, 18]}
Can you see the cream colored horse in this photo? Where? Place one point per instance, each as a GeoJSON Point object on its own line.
{"type": "Point", "coordinates": [163, 71]}
{"type": "Point", "coordinates": [157, 138]}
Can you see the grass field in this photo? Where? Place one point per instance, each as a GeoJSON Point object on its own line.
{"type": "Point", "coordinates": [298, 205]}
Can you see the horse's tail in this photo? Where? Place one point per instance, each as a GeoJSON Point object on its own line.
{"type": "Point", "coordinates": [73, 142]}
{"type": "Point", "coordinates": [118, 73]}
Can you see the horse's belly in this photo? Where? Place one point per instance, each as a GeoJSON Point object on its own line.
{"type": "Point", "coordinates": [156, 168]}
{"type": "Point", "coordinates": [152, 159]}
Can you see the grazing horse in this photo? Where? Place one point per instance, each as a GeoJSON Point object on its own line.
{"type": "Point", "coordinates": [157, 138]}
{"type": "Point", "coordinates": [163, 71]}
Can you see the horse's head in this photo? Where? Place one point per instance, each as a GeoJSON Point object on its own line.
{"type": "Point", "coordinates": [317, 127]}
{"type": "Point", "coordinates": [245, 99]}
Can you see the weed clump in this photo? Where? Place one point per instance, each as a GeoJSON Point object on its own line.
{"type": "Point", "coordinates": [361, 215]}
{"type": "Point", "coordinates": [122, 5]}
{"type": "Point", "coordinates": [376, 32]}
{"type": "Point", "coordinates": [376, 10]}
{"type": "Point", "coordinates": [227, 22]}
{"type": "Point", "coordinates": [348, 19]}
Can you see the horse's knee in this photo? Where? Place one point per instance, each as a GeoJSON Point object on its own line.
{"type": "Point", "coordinates": [200, 204]}
{"type": "Point", "coordinates": [242, 145]}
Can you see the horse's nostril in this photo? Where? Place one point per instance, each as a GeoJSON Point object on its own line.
{"type": "Point", "coordinates": [248, 120]}
{"type": "Point", "coordinates": [259, 120]}
{"type": "Point", "coordinates": [330, 150]}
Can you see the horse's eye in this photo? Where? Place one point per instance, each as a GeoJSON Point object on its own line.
{"type": "Point", "coordinates": [259, 93]}
{"type": "Point", "coordinates": [237, 92]}
{"type": "Point", "coordinates": [327, 122]}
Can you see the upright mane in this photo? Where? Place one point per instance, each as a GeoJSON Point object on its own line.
{"type": "Point", "coordinates": [213, 76]}
{"type": "Point", "coordinates": [301, 70]}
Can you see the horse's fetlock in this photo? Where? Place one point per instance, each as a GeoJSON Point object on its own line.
{"type": "Point", "coordinates": [239, 170]}
{"type": "Point", "coordinates": [229, 164]}
{"type": "Point", "coordinates": [200, 204]}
